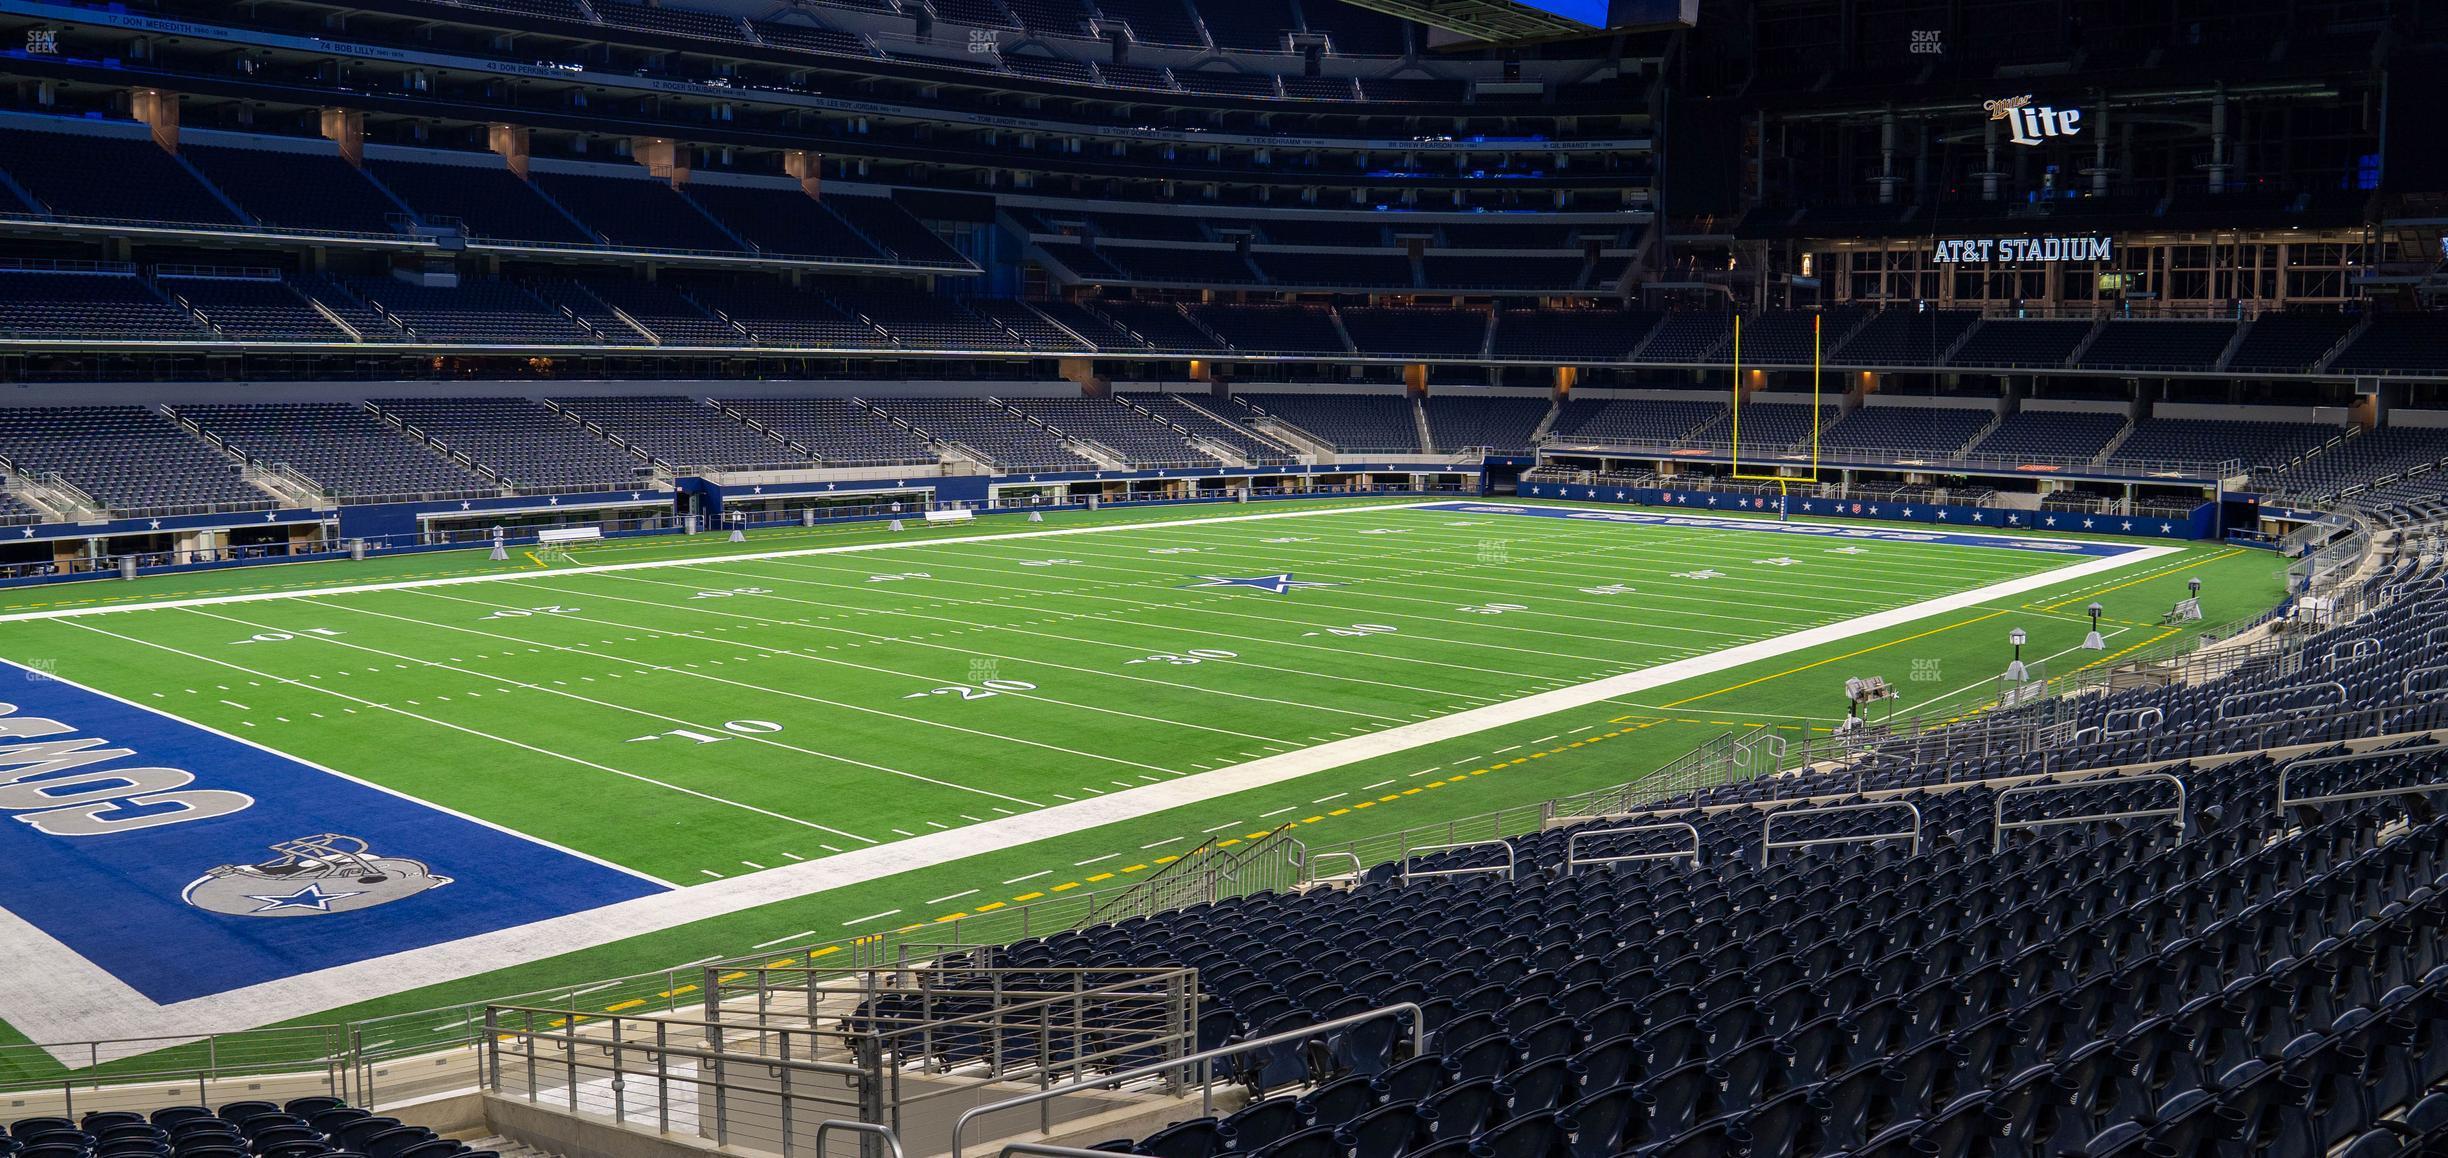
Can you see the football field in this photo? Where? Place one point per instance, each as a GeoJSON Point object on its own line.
{"type": "Point", "coordinates": [572, 756]}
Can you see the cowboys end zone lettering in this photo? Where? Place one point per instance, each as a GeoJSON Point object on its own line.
{"type": "Point", "coordinates": [1816, 530]}
{"type": "Point", "coordinates": [241, 865]}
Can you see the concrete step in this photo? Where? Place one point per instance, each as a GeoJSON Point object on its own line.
{"type": "Point", "coordinates": [507, 1148]}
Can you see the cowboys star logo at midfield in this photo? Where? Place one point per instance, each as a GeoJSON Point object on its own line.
{"type": "Point", "coordinates": [311, 876]}
{"type": "Point", "coordinates": [1271, 584]}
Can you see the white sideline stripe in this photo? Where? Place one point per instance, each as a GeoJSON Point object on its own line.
{"type": "Point", "coordinates": [79, 1002]}
{"type": "Point", "coordinates": [655, 564]}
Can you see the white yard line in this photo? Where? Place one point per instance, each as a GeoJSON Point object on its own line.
{"type": "Point", "coordinates": [659, 564]}
{"type": "Point", "coordinates": [832, 622]}
{"type": "Point", "coordinates": [1643, 554]}
{"type": "Point", "coordinates": [1704, 547]}
{"type": "Point", "coordinates": [930, 680]}
{"type": "Point", "coordinates": [1374, 589]}
{"type": "Point", "coordinates": [1155, 577]}
{"type": "Point", "coordinates": [1546, 552]}
{"type": "Point", "coordinates": [679, 721]}
{"type": "Point", "coordinates": [77, 1001]}
{"type": "Point", "coordinates": [754, 687]}
{"type": "Point", "coordinates": [461, 728]}
{"type": "Point", "coordinates": [1161, 606]}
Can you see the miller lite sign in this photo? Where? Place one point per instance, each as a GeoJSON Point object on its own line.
{"type": "Point", "coordinates": [2030, 126]}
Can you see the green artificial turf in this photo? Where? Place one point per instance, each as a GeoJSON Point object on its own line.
{"type": "Point", "coordinates": [731, 716]}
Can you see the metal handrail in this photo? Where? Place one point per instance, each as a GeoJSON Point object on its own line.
{"type": "Point", "coordinates": [203, 227]}
{"type": "Point", "coordinates": [567, 1036]}
{"type": "Point", "coordinates": [1419, 1043]}
{"type": "Point", "coordinates": [2354, 648]}
{"type": "Point", "coordinates": [1358, 869]}
{"type": "Point", "coordinates": [1430, 850]}
{"type": "Point", "coordinates": [562, 1037]}
{"type": "Point", "coordinates": [2343, 696]}
{"type": "Point", "coordinates": [298, 1050]}
{"type": "Point", "coordinates": [1572, 846]}
{"type": "Point", "coordinates": [2288, 770]}
{"type": "Point", "coordinates": [892, 1141]}
{"type": "Point", "coordinates": [1768, 845]}
{"type": "Point", "coordinates": [2000, 826]}
{"type": "Point", "coordinates": [2405, 687]}
{"type": "Point", "coordinates": [723, 254]}
{"type": "Point", "coordinates": [2134, 719]}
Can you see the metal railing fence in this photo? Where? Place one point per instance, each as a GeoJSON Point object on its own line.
{"type": "Point", "coordinates": [143, 1073]}
{"type": "Point", "coordinates": [880, 1053]}
{"type": "Point", "coordinates": [2290, 774]}
{"type": "Point", "coordinates": [2001, 826]}
{"type": "Point", "coordinates": [1911, 834]}
{"type": "Point", "coordinates": [1174, 1071]}
{"type": "Point", "coordinates": [668, 1075]}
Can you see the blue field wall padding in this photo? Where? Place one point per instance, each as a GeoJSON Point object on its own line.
{"type": "Point", "coordinates": [2200, 523]}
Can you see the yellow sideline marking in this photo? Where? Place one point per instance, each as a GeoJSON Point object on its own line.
{"type": "Point", "coordinates": [1836, 658]}
{"type": "Point", "coordinates": [1644, 724]}
{"type": "Point", "coordinates": [2226, 554]}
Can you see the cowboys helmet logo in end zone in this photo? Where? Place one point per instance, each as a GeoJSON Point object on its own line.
{"type": "Point", "coordinates": [309, 877]}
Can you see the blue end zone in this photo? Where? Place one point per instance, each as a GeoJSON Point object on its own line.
{"type": "Point", "coordinates": [147, 845]}
{"type": "Point", "coordinates": [1814, 530]}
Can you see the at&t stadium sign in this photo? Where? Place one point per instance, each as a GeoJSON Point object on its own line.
{"type": "Point", "coordinates": [2023, 250]}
